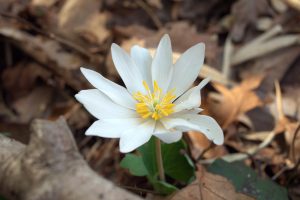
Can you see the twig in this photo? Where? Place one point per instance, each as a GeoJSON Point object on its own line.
{"type": "Point", "coordinates": [151, 14]}
{"type": "Point", "coordinates": [226, 67]}
{"type": "Point", "coordinates": [279, 103]}
{"type": "Point", "coordinates": [92, 151]}
{"type": "Point", "coordinates": [138, 189]}
{"type": "Point", "coordinates": [281, 171]}
{"type": "Point", "coordinates": [264, 44]}
{"type": "Point", "coordinates": [254, 51]}
{"type": "Point", "coordinates": [204, 151]}
{"type": "Point", "coordinates": [50, 35]}
{"type": "Point", "coordinates": [247, 154]}
{"type": "Point", "coordinates": [266, 36]}
{"type": "Point", "coordinates": [107, 152]}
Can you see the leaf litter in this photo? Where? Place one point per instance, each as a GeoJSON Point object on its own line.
{"type": "Point", "coordinates": [249, 46]}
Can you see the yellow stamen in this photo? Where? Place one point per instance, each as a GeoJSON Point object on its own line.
{"type": "Point", "coordinates": [154, 104]}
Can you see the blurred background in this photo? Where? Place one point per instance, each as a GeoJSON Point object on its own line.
{"type": "Point", "coordinates": [252, 56]}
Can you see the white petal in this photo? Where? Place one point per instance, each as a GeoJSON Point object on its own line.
{"type": "Point", "coordinates": [112, 128]}
{"type": "Point", "coordinates": [170, 137]}
{"type": "Point", "coordinates": [114, 91]}
{"type": "Point", "coordinates": [162, 66]}
{"type": "Point", "coordinates": [102, 107]}
{"type": "Point", "coordinates": [183, 112]}
{"type": "Point", "coordinates": [187, 68]}
{"type": "Point", "coordinates": [159, 128]}
{"type": "Point", "coordinates": [205, 124]}
{"type": "Point", "coordinates": [167, 136]}
{"type": "Point", "coordinates": [135, 137]}
{"type": "Point", "coordinates": [191, 99]}
{"type": "Point", "coordinates": [127, 69]}
{"type": "Point", "coordinates": [143, 61]}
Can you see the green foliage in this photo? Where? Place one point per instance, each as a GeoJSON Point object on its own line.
{"type": "Point", "coordinates": [134, 164]}
{"type": "Point", "coordinates": [164, 187]}
{"type": "Point", "coordinates": [247, 181]}
{"type": "Point", "coordinates": [2, 198]}
{"type": "Point", "coordinates": [177, 165]}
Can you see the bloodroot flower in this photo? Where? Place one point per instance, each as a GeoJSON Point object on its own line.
{"type": "Point", "coordinates": [157, 100]}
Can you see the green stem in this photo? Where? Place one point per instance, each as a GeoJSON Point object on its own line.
{"type": "Point", "coordinates": [159, 160]}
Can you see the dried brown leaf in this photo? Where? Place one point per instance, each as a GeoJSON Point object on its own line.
{"type": "Point", "coordinates": [200, 145]}
{"type": "Point", "coordinates": [234, 102]}
{"type": "Point", "coordinates": [82, 19]}
{"type": "Point", "coordinates": [209, 186]}
{"type": "Point", "coordinates": [34, 104]}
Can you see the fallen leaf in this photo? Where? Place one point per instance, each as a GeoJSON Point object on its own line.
{"type": "Point", "coordinates": [289, 127]}
{"type": "Point", "coordinates": [247, 181]}
{"type": "Point", "coordinates": [34, 104]}
{"type": "Point", "coordinates": [201, 145]}
{"type": "Point", "coordinates": [234, 102]}
{"type": "Point", "coordinates": [209, 186]}
{"type": "Point", "coordinates": [82, 19]}
{"type": "Point", "coordinates": [177, 31]}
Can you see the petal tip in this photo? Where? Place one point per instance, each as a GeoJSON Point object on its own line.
{"type": "Point", "coordinates": [125, 150]}
{"type": "Point", "coordinates": [166, 38]}
{"type": "Point", "coordinates": [114, 46]}
{"type": "Point", "coordinates": [84, 70]}
{"type": "Point", "coordinates": [201, 45]}
{"type": "Point", "coordinates": [219, 141]}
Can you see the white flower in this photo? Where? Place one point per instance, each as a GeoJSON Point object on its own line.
{"type": "Point", "coordinates": [156, 101]}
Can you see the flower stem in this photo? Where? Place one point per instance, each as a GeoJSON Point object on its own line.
{"type": "Point", "coordinates": [159, 160]}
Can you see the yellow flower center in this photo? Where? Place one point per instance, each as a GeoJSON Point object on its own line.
{"type": "Point", "coordinates": [155, 104]}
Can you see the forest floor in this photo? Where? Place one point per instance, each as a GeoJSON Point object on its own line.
{"type": "Point", "coordinates": [252, 57]}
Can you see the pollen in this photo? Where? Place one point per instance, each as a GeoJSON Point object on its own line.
{"type": "Point", "coordinates": [154, 104]}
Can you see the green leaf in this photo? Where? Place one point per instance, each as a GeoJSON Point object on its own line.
{"type": "Point", "coordinates": [247, 181]}
{"type": "Point", "coordinates": [2, 198]}
{"type": "Point", "coordinates": [164, 188]}
{"type": "Point", "coordinates": [134, 164]}
{"type": "Point", "coordinates": [177, 165]}
{"type": "Point", "coordinates": [147, 152]}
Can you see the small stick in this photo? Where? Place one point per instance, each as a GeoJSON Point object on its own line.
{"type": "Point", "coordinates": [279, 101]}
{"type": "Point", "coordinates": [151, 14]}
{"type": "Point", "coordinates": [226, 68]}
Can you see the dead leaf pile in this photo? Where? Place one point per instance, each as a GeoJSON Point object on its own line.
{"type": "Point", "coordinates": [250, 44]}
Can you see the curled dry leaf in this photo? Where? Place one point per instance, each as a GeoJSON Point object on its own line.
{"type": "Point", "coordinates": [291, 129]}
{"type": "Point", "coordinates": [200, 145]}
{"type": "Point", "coordinates": [234, 102]}
{"type": "Point", "coordinates": [82, 19]}
{"type": "Point", "coordinates": [209, 186]}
